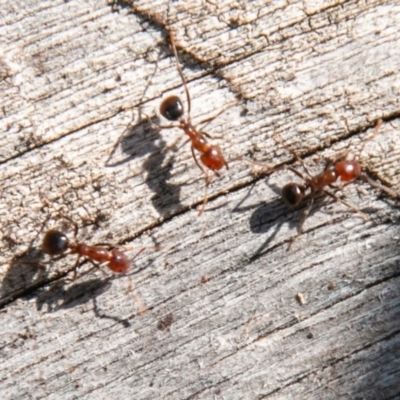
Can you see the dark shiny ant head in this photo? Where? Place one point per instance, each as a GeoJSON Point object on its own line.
{"type": "Point", "coordinates": [171, 108]}
{"type": "Point", "coordinates": [55, 243]}
{"type": "Point", "coordinates": [293, 194]}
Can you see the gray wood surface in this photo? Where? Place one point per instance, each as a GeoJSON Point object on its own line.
{"type": "Point", "coordinates": [223, 310]}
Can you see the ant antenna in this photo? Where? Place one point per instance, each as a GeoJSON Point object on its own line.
{"type": "Point", "coordinates": [178, 67]}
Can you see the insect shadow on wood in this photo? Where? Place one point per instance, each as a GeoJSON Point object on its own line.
{"type": "Point", "coordinates": [61, 296]}
{"type": "Point", "coordinates": [139, 140]}
{"type": "Point", "coordinates": [269, 217]}
{"type": "Point", "coordinates": [25, 273]}
{"type": "Point", "coordinates": [207, 156]}
{"type": "Point", "coordinates": [338, 171]}
{"type": "Point", "coordinates": [123, 321]}
{"type": "Point", "coordinates": [266, 217]}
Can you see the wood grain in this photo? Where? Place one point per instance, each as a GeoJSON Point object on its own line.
{"type": "Point", "coordinates": [215, 314]}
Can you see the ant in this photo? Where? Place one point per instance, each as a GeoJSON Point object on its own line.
{"type": "Point", "coordinates": [172, 109]}
{"type": "Point", "coordinates": [56, 243]}
{"type": "Point", "coordinates": [347, 171]}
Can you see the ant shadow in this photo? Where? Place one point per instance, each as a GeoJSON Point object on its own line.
{"type": "Point", "coordinates": [270, 217]}
{"type": "Point", "coordinates": [25, 272]}
{"type": "Point", "coordinates": [266, 216]}
{"type": "Point", "coordinates": [24, 275]}
{"type": "Point", "coordinates": [27, 278]}
{"type": "Point", "coordinates": [60, 297]}
{"type": "Point", "coordinates": [143, 139]}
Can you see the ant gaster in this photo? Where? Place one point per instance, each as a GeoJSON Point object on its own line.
{"type": "Point", "coordinates": [172, 109]}
{"type": "Point", "coordinates": [347, 171]}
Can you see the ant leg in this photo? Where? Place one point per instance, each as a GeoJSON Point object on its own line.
{"type": "Point", "coordinates": [174, 147]}
{"type": "Point", "coordinates": [76, 268]}
{"type": "Point", "coordinates": [76, 227]}
{"type": "Point", "coordinates": [293, 153]}
{"type": "Point", "coordinates": [377, 127]}
{"type": "Point", "coordinates": [60, 257]}
{"type": "Point", "coordinates": [379, 186]}
{"type": "Point", "coordinates": [217, 113]}
{"type": "Point", "coordinates": [142, 308]}
{"type": "Point", "coordinates": [306, 213]}
{"type": "Point", "coordinates": [344, 154]}
{"type": "Point", "coordinates": [250, 161]}
{"type": "Point", "coordinates": [205, 201]}
{"type": "Point", "coordinates": [97, 266]}
{"type": "Point", "coordinates": [43, 263]}
{"type": "Point", "coordinates": [355, 209]}
{"type": "Point", "coordinates": [208, 135]}
{"type": "Point", "coordinates": [178, 67]}
{"type": "Point", "coordinates": [110, 247]}
{"type": "Point", "coordinates": [138, 253]}
{"type": "Point", "coordinates": [199, 165]}
{"type": "Point", "coordinates": [155, 126]}
{"type": "Point", "coordinates": [299, 174]}
{"type": "Point", "coordinates": [107, 246]}
{"type": "Point", "coordinates": [265, 168]}
{"type": "Point", "coordinates": [47, 202]}
{"type": "Point", "coordinates": [208, 181]}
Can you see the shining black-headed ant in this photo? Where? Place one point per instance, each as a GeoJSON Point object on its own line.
{"type": "Point", "coordinates": [171, 108]}
{"type": "Point", "coordinates": [343, 170]}
{"type": "Point", "coordinates": [56, 243]}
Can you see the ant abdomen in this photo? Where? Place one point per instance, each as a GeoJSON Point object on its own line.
{"type": "Point", "coordinates": [213, 159]}
{"type": "Point", "coordinates": [119, 262]}
{"type": "Point", "coordinates": [55, 243]}
{"type": "Point", "coordinates": [171, 108]}
{"type": "Point", "coordinates": [348, 170]}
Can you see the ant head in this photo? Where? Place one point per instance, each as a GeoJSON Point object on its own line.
{"type": "Point", "coordinates": [292, 194]}
{"type": "Point", "coordinates": [171, 108]}
{"type": "Point", "coordinates": [54, 243]}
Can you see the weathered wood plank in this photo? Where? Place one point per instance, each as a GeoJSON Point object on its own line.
{"type": "Point", "coordinates": [222, 317]}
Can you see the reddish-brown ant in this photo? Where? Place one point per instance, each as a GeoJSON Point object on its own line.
{"type": "Point", "coordinates": [343, 170]}
{"type": "Point", "coordinates": [56, 243]}
{"type": "Point", "coordinates": [172, 109]}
